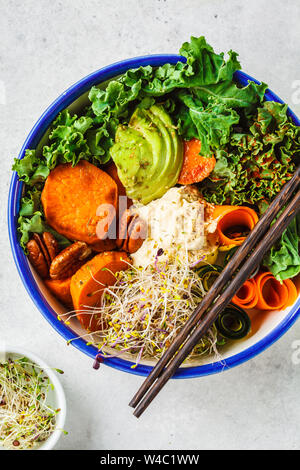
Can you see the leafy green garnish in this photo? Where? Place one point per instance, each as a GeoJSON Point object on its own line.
{"type": "Point", "coordinates": [31, 219]}
{"type": "Point", "coordinates": [257, 161]}
{"type": "Point", "coordinates": [255, 144]}
{"type": "Point", "coordinates": [283, 260]}
{"type": "Point", "coordinates": [74, 139]}
{"type": "Point", "coordinates": [211, 124]}
{"type": "Point", "coordinates": [200, 94]}
{"type": "Point", "coordinates": [37, 224]}
{"type": "Point", "coordinates": [31, 169]}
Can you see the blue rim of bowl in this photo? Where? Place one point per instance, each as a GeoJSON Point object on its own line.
{"type": "Point", "coordinates": [35, 135]}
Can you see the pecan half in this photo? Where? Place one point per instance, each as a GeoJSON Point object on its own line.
{"type": "Point", "coordinates": [37, 258]}
{"type": "Point", "coordinates": [41, 250]}
{"type": "Point", "coordinates": [68, 261]}
{"type": "Point", "coordinates": [51, 244]}
{"type": "Point", "coordinates": [132, 232]}
{"type": "Point", "coordinates": [39, 241]}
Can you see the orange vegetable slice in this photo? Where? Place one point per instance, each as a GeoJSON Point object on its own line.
{"type": "Point", "coordinates": [264, 292]}
{"type": "Point", "coordinates": [273, 294]}
{"type": "Point", "coordinates": [247, 296]}
{"type": "Point", "coordinates": [233, 222]}
{"type": "Point", "coordinates": [72, 199]}
{"type": "Point", "coordinates": [195, 167]}
{"type": "Point", "coordinates": [124, 202]}
{"type": "Point", "coordinates": [60, 288]}
{"type": "Point", "coordinates": [292, 292]}
{"type": "Point", "coordinates": [88, 283]}
{"type": "Point", "coordinates": [112, 171]}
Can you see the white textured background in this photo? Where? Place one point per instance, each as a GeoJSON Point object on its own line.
{"type": "Point", "coordinates": [44, 48]}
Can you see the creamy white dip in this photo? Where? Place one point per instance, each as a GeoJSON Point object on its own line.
{"type": "Point", "coordinates": [176, 223]}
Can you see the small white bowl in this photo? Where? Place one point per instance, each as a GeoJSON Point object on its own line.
{"type": "Point", "coordinates": [56, 399]}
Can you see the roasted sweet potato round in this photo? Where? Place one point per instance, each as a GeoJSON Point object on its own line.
{"type": "Point", "coordinates": [61, 289]}
{"type": "Point", "coordinates": [88, 283]}
{"type": "Point", "coordinates": [77, 199]}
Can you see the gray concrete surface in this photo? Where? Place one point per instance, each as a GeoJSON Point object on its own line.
{"type": "Point", "coordinates": [45, 47]}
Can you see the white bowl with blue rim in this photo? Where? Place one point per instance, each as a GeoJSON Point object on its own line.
{"type": "Point", "coordinates": [272, 325]}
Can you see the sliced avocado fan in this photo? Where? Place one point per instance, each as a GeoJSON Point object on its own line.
{"type": "Point", "coordinates": [148, 154]}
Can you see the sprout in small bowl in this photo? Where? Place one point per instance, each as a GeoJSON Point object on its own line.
{"type": "Point", "coordinates": [32, 402]}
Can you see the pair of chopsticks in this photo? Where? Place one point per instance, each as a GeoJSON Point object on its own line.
{"type": "Point", "coordinates": [247, 257]}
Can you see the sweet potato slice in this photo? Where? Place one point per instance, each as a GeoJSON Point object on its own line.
{"type": "Point", "coordinates": [195, 167]}
{"type": "Point", "coordinates": [89, 281]}
{"type": "Point", "coordinates": [72, 199]}
{"type": "Point", "coordinates": [112, 170]}
{"type": "Point", "coordinates": [60, 288]}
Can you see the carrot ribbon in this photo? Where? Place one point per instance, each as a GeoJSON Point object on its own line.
{"type": "Point", "coordinates": [233, 221]}
{"type": "Point", "coordinates": [247, 296]}
{"type": "Point", "coordinates": [272, 294]}
{"type": "Point", "coordinates": [264, 292]}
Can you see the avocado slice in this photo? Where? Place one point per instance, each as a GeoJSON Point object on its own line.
{"type": "Point", "coordinates": [148, 154]}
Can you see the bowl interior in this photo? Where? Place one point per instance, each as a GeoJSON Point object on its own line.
{"type": "Point", "coordinates": [263, 323]}
{"type": "Point", "coordinates": [266, 326]}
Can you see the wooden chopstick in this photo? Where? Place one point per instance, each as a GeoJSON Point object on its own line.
{"type": "Point", "coordinates": [256, 234]}
{"type": "Point", "coordinates": [246, 269]}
